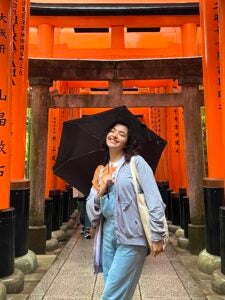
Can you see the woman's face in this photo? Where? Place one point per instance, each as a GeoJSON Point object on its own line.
{"type": "Point", "coordinates": [117, 137]}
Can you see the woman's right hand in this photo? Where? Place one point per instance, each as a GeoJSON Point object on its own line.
{"type": "Point", "coordinates": [105, 183]}
{"type": "Point", "coordinates": [157, 248]}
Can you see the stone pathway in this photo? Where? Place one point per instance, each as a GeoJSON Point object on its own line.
{"type": "Point", "coordinates": [71, 277]}
{"type": "Point", "coordinates": [67, 274]}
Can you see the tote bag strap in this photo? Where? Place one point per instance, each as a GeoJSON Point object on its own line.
{"type": "Point", "coordinates": [135, 175]}
{"type": "Point", "coordinates": [147, 230]}
{"type": "Point", "coordinates": [142, 207]}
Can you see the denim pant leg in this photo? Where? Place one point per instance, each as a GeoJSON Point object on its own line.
{"type": "Point", "coordinates": [124, 273]}
{"type": "Point", "coordinates": [109, 246]}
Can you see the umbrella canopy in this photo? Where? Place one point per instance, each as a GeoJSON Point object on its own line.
{"type": "Point", "coordinates": [80, 150]}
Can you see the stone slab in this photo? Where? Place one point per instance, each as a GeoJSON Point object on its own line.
{"type": "Point", "coordinates": [173, 275]}
{"type": "Point", "coordinates": [17, 297]}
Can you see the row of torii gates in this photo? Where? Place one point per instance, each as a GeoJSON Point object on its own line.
{"type": "Point", "coordinates": [187, 71]}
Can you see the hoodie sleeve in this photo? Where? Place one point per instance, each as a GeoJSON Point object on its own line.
{"type": "Point", "coordinates": [152, 197]}
{"type": "Point", "coordinates": [92, 202]}
{"type": "Point", "coordinates": [93, 207]}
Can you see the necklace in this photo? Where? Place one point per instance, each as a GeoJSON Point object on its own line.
{"type": "Point", "coordinates": [113, 164]}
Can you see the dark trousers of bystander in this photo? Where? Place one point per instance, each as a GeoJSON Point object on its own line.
{"type": "Point", "coordinates": [84, 220]}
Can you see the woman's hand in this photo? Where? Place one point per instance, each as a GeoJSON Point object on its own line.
{"type": "Point", "coordinates": [157, 248]}
{"type": "Point", "coordinates": [106, 182]}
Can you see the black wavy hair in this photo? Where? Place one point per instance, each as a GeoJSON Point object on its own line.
{"type": "Point", "coordinates": [131, 147]}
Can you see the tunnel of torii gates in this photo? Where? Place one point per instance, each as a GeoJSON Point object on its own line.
{"type": "Point", "coordinates": [84, 63]}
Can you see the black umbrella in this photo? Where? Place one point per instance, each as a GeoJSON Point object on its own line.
{"type": "Point", "coordinates": [80, 150]}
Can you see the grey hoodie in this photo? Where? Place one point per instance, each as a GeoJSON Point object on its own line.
{"type": "Point", "coordinates": [128, 227]}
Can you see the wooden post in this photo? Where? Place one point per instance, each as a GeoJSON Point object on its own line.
{"type": "Point", "coordinates": [115, 92]}
{"type": "Point", "coordinates": [189, 48]}
{"type": "Point", "coordinates": [183, 162]}
{"type": "Point", "coordinates": [195, 166]}
{"type": "Point", "coordinates": [45, 49]}
{"type": "Point", "coordinates": [38, 149]}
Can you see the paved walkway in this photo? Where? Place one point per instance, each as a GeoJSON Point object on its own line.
{"type": "Point", "coordinates": [71, 277]}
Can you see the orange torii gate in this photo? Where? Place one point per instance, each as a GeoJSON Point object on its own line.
{"type": "Point", "coordinates": [119, 29]}
{"type": "Point", "coordinates": [215, 165]}
{"type": "Point", "coordinates": [211, 55]}
{"type": "Point", "coordinates": [111, 23]}
{"type": "Point", "coordinates": [186, 70]}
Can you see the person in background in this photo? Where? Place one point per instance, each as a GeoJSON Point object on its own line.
{"type": "Point", "coordinates": [112, 199]}
{"type": "Point", "coordinates": [84, 220]}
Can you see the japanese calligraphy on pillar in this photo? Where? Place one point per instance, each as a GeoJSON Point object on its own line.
{"type": "Point", "coordinates": [19, 88]}
{"type": "Point", "coordinates": [158, 122]}
{"type": "Point", "coordinates": [176, 131]}
{"type": "Point", "coordinates": [19, 35]}
{"type": "Point", "coordinates": [215, 22]}
{"type": "Point", "coordinates": [53, 150]}
{"type": "Point", "coordinates": [4, 102]}
{"type": "Point", "coordinates": [3, 88]}
{"type": "Point", "coordinates": [152, 119]}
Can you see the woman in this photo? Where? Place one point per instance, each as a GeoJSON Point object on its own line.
{"type": "Point", "coordinates": [113, 196]}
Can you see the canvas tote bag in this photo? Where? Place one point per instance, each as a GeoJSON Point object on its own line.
{"type": "Point", "coordinates": [143, 209]}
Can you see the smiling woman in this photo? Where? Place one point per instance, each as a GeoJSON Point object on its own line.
{"type": "Point", "coordinates": [121, 247]}
{"type": "Point", "coordinates": [116, 139]}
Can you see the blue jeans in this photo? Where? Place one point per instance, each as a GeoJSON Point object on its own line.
{"type": "Point", "coordinates": [122, 264]}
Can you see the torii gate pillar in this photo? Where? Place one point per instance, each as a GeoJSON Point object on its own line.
{"type": "Point", "coordinates": [38, 150]}
{"type": "Point", "coordinates": [195, 166]}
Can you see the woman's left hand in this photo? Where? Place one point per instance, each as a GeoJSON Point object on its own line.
{"type": "Point", "coordinates": [157, 248]}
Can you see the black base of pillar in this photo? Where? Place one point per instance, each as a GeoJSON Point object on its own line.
{"type": "Point", "coordinates": [57, 209]}
{"type": "Point", "coordinates": [196, 235]}
{"type": "Point", "coordinates": [37, 239]}
{"type": "Point", "coordinates": [66, 205]}
{"type": "Point", "coordinates": [19, 199]}
{"type": "Point", "coordinates": [182, 193]}
{"type": "Point", "coordinates": [175, 208]}
{"type": "Point", "coordinates": [7, 241]}
{"type": "Point", "coordinates": [222, 238]}
{"type": "Point", "coordinates": [163, 187]}
{"type": "Point", "coordinates": [168, 208]}
{"type": "Point", "coordinates": [213, 199]}
{"type": "Point", "coordinates": [48, 217]}
{"type": "Point", "coordinates": [186, 215]}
